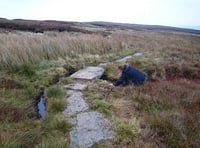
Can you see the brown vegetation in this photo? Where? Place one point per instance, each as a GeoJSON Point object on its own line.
{"type": "Point", "coordinates": [39, 26]}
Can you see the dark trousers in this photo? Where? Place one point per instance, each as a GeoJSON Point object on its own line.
{"type": "Point", "coordinates": [136, 82]}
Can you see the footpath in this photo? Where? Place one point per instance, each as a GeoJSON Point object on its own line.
{"type": "Point", "coordinates": [89, 127]}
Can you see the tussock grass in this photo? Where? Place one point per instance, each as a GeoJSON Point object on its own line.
{"type": "Point", "coordinates": [56, 122]}
{"type": "Point", "coordinates": [55, 105]}
{"type": "Point", "coordinates": [54, 92]}
{"type": "Point", "coordinates": [55, 99]}
{"type": "Point", "coordinates": [127, 131]}
{"type": "Point", "coordinates": [38, 133]}
{"type": "Point", "coordinates": [101, 106]}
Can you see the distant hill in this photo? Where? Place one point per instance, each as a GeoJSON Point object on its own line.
{"type": "Point", "coordinates": [191, 27]}
{"type": "Point", "coordinates": [39, 26]}
{"type": "Point", "coordinates": [51, 25]}
{"type": "Point", "coordinates": [146, 27]}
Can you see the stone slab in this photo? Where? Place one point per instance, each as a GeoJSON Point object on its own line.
{"type": "Point", "coordinates": [124, 59]}
{"type": "Point", "coordinates": [137, 54]}
{"type": "Point", "coordinates": [91, 127]}
{"type": "Point", "coordinates": [129, 56]}
{"type": "Point", "coordinates": [75, 103]}
{"type": "Point", "coordinates": [88, 73]}
{"type": "Point", "coordinates": [76, 86]}
{"type": "Point", "coordinates": [102, 65]}
{"type": "Point", "coordinates": [71, 120]}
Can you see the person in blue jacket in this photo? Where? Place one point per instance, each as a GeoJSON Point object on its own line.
{"type": "Point", "coordinates": [130, 75]}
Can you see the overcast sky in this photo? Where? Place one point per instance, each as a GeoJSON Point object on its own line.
{"type": "Point", "coordinates": [156, 12]}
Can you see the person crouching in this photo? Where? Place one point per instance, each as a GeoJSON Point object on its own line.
{"type": "Point", "coordinates": [130, 75]}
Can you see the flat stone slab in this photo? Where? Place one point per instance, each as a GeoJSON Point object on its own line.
{"type": "Point", "coordinates": [90, 127]}
{"type": "Point", "coordinates": [88, 73]}
{"type": "Point", "coordinates": [129, 56]}
{"type": "Point", "coordinates": [102, 65]}
{"type": "Point", "coordinates": [71, 120]}
{"type": "Point", "coordinates": [124, 59]}
{"type": "Point", "coordinates": [76, 86]}
{"type": "Point", "coordinates": [137, 54]}
{"type": "Point", "coordinates": [75, 103]}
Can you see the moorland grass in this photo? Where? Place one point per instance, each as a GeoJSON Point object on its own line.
{"type": "Point", "coordinates": [170, 60]}
{"type": "Point", "coordinates": [166, 106]}
{"type": "Point", "coordinates": [101, 106]}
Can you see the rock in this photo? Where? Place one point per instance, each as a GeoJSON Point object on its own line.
{"type": "Point", "coordinates": [102, 65]}
{"type": "Point", "coordinates": [72, 120]}
{"type": "Point", "coordinates": [88, 73]}
{"type": "Point", "coordinates": [91, 127]}
{"type": "Point", "coordinates": [77, 86]}
{"type": "Point", "coordinates": [130, 56]}
{"type": "Point", "coordinates": [137, 54]}
{"type": "Point", "coordinates": [75, 103]}
{"type": "Point", "coordinates": [124, 59]}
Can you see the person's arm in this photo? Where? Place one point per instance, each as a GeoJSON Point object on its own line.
{"type": "Point", "coordinates": [119, 80]}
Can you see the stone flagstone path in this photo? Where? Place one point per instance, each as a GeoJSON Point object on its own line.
{"type": "Point", "coordinates": [89, 126]}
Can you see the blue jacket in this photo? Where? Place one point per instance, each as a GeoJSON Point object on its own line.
{"type": "Point", "coordinates": [130, 74]}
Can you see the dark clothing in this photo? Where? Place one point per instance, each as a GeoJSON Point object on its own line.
{"type": "Point", "coordinates": [130, 75]}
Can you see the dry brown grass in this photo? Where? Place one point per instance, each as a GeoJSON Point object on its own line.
{"type": "Point", "coordinates": [150, 40]}
{"type": "Point", "coordinates": [23, 48]}
{"type": "Point", "coordinates": [123, 108]}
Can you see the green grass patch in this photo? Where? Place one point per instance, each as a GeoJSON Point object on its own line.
{"type": "Point", "coordinates": [56, 122]}
{"type": "Point", "coordinates": [101, 106]}
{"type": "Point", "coordinates": [127, 131]}
{"type": "Point", "coordinates": [38, 133]}
{"type": "Point", "coordinates": [19, 97]}
{"type": "Point", "coordinates": [56, 105]}
{"type": "Point", "coordinates": [54, 92]}
{"type": "Point", "coordinates": [55, 99]}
